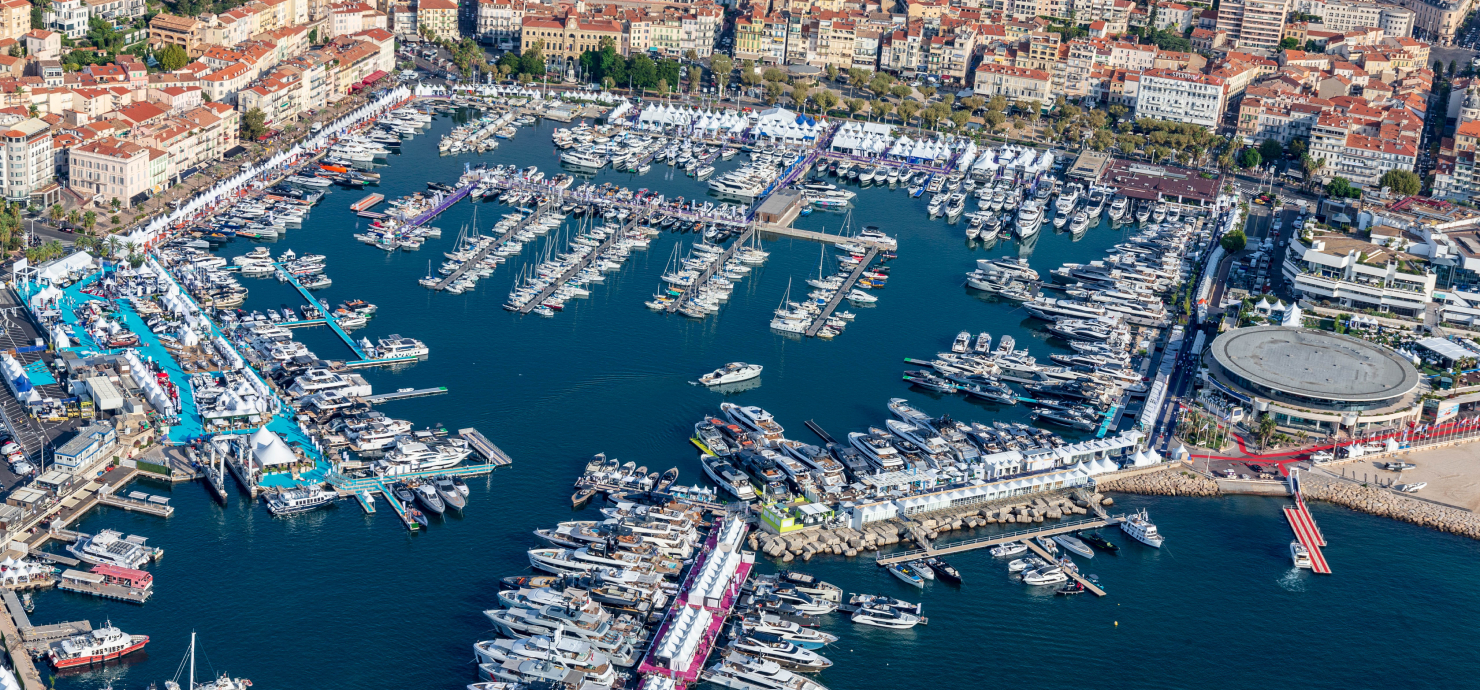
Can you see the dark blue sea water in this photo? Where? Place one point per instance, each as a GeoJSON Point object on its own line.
{"type": "Point", "coordinates": [340, 599]}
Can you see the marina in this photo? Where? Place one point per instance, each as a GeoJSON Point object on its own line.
{"type": "Point", "coordinates": [837, 384]}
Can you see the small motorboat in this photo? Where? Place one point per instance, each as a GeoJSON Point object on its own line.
{"type": "Point", "coordinates": [426, 496]}
{"type": "Point", "coordinates": [1069, 589]}
{"type": "Point", "coordinates": [1029, 563]}
{"type": "Point", "coordinates": [419, 517]}
{"type": "Point", "coordinates": [667, 479]}
{"type": "Point", "coordinates": [944, 570]}
{"type": "Point", "coordinates": [918, 565]}
{"type": "Point", "coordinates": [907, 574]}
{"type": "Point", "coordinates": [881, 601]}
{"type": "Point", "coordinates": [1052, 575]}
{"type": "Point", "coordinates": [1074, 545]}
{"type": "Point", "coordinates": [1094, 539]}
{"type": "Point", "coordinates": [582, 497]}
{"type": "Point", "coordinates": [449, 494]}
{"type": "Point", "coordinates": [1011, 548]}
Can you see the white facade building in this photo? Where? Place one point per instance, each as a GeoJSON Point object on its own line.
{"type": "Point", "coordinates": [1179, 96]}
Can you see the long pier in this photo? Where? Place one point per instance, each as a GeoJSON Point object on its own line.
{"type": "Point", "coordinates": [994, 540]}
{"type": "Point", "coordinates": [724, 258]}
{"type": "Point", "coordinates": [1048, 558]}
{"type": "Point", "coordinates": [842, 293]}
{"type": "Point", "coordinates": [403, 395]}
{"type": "Point", "coordinates": [323, 309]}
{"type": "Point", "coordinates": [441, 206]}
{"type": "Point", "coordinates": [579, 266]}
{"type": "Point", "coordinates": [13, 628]}
{"type": "Point", "coordinates": [483, 253]}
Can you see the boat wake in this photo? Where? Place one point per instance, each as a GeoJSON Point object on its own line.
{"type": "Point", "coordinates": [1292, 581]}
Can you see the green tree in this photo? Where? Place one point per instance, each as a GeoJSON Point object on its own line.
{"type": "Point", "coordinates": [832, 73]}
{"type": "Point", "coordinates": [532, 62]}
{"type": "Point", "coordinates": [55, 213]}
{"type": "Point", "coordinates": [1289, 43]}
{"type": "Point", "coordinates": [773, 93]}
{"type": "Point", "coordinates": [254, 124]}
{"type": "Point", "coordinates": [825, 100]}
{"type": "Point", "coordinates": [663, 86]}
{"type": "Point", "coordinates": [880, 108]}
{"type": "Point", "coordinates": [1342, 188]}
{"type": "Point", "coordinates": [1271, 150]}
{"type": "Point", "coordinates": [1401, 181]}
{"type": "Point", "coordinates": [907, 111]}
{"type": "Point", "coordinates": [695, 79]}
{"type": "Point", "coordinates": [926, 92]}
{"type": "Point", "coordinates": [313, 37]}
{"type": "Point", "coordinates": [115, 203]}
{"type": "Point", "coordinates": [1249, 158]}
{"type": "Point", "coordinates": [855, 106]}
{"type": "Point", "coordinates": [1234, 241]}
{"type": "Point", "coordinates": [1298, 148]}
{"type": "Point", "coordinates": [89, 220]}
{"type": "Point", "coordinates": [1265, 429]}
{"type": "Point", "coordinates": [994, 119]}
{"type": "Point", "coordinates": [900, 91]}
{"type": "Point", "coordinates": [960, 118]}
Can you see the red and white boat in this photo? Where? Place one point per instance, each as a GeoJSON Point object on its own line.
{"type": "Point", "coordinates": [104, 644]}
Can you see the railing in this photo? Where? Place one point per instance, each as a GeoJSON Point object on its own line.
{"type": "Point", "coordinates": [1000, 537]}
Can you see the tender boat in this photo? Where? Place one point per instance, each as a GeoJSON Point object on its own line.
{"type": "Point", "coordinates": [1094, 539]}
{"type": "Point", "coordinates": [945, 571]}
{"type": "Point", "coordinates": [734, 372]}
{"type": "Point", "coordinates": [1011, 548]}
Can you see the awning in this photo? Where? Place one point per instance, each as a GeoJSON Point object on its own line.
{"type": "Point", "coordinates": [373, 76]}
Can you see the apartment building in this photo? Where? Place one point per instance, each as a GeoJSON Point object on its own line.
{"type": "Point", "coordinates": [186, 32]}
{"type": "Point", "coordinates": [1360, 157]}
{"type": "Point", "coordinates": [115, 11]}
{"type": "Point", "coordinates": [15, 18]}
{"type": "Point", "coordinates": [43, 45]}
{"type": "Point", "coordinates": [66, 17]}
{"type": "Point", "coordinates": [1261, 118]}
{"type": "Point", "coordinates": [109, 168]}
{"type": "Point", "coordinates": [29, 165]}
{"type": "Point", "coordinates": [1342, 16]}
{"type": "Point", "coordinates": [499, 22]}
{"type": "Point", "coordinates": [1180, 96]}
{"type": "Point", "coordinates": [1253, 25]}
{"type": "Point", "coordinates": [1013, 83]}
{"type": "Point", "coordinates": [354, 17]}
{"type": "Point", "coordinates": [1355, 273]}
{"type": "Point", "coordinates": [1438, 20]}
{"type": "Point", "coordinates": [438, 17]}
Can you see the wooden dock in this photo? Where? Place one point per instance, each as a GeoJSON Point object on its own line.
{"type": "Point", "coordinates": [367, 203]}
{"type": "Point", "coordinates": [581, 265]}
{"type": "Point", "coordinates": [995, 539]}
{"type": "Point", "coordinates": [1046, 556]}
{"type": "Point", "coordinates": [493, 454]}
{"type": "Point", "coordinates": [842, 293]}
{"type": "Point", "coordinates": [713, 268]}
{"type": "Point", "coordinates": [483, 253]}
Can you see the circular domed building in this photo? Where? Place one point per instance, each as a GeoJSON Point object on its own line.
{"type": "Point", "coordinates": [1314, 379]}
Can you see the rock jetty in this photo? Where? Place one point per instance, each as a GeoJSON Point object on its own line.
{"type": "Point", "coordinates": [845, 541]}
{"type": "Point", "coordinates": [1175, 481]}
{"type": "Point", "coordinates": [1386, 503]}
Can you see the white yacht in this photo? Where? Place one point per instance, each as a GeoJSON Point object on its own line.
{"type": "Point", "coordinates": [885, 617]}
{"type": "Point", "coordinates": [571, 652]}
{"type": "Point", "coordinates": [755, 419]}
{"type": "Point", "coordinates": [877, 449]}
{"type": "Point", "coordinates": [725, 474]}
{"type": "Point", "coordinates": [1299, 555]}
{"type": "Point", "coordinates": [1139, 527]}
{"type": "Point", "coordinates": [1045, 576]}
{"type": "Point", "coordinates": [734, 372]}
{"type": "Point", "coordinates": [745, 672]}
{"type": "Point", "coordinates": [414, 456]}
{"type": "Point", "coordinates": [589, 160]}
{"type": "Point", "coordinates": [394, 347]}
{"type": "Point", "coordinates": [1050, 309]}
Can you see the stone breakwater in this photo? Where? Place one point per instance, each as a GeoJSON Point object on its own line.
{"type": "Point", "coordinates": [846, 541]}
{"type": "Point", "coordinates": [1168, 482]}
{"type": "Point", "coordinates": [1385, 503]}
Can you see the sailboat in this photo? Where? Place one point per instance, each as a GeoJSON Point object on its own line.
{"type": "Point", "coordinates": [429, 281]}
{"type": "Point", "coordinates": [823, 282]}
{"type": "Point", "coordinates": [785, 320]}
{"type": "Point", "coordinates": [224, 682]}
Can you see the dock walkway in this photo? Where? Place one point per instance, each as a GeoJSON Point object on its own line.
{"type": "Point", "coordinates": [403, 395]}
{"type": "Point", "coordinates": [483, 253]}
{"type": "Point", "coordinates": [147, 504]}
{"type": "Point", "coordinates": [323, 309]}
{"type": "Point", "coordinates": [842, 293]}
{"type": "Point", "coordinates": [579, 266]}
{"type": "Point", "coordinates": [443, 205]}
{"type": "Point", "coordinates": [995, 539]}
{"type": "Point", "coordinates": [1046, 556]}
{"type": "Point", "coordinates": [493, 454]}
{"type": "Point", "coordinates": [724, 258]}
{"type": "Point", "coordinates": [13, 628]}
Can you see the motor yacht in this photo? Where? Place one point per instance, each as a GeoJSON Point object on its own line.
{"type": "Point", "coordinates": [1140, 528]}
{"type": "Point", "coordinates": [734, 372]}
{"type": "Point", "coordinates": [885, 617]}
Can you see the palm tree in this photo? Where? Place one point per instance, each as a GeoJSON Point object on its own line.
{"type": "Point", "coordinates": [112, 244]}
{"type": "Point", "coordinates": [56, 213]}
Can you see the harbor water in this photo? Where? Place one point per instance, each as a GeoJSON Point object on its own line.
{"type": "Point", "coordinates": [341, 599]}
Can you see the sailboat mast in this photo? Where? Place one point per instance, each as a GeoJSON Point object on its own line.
{"type": "Point", "coordinates": [191, 686]}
